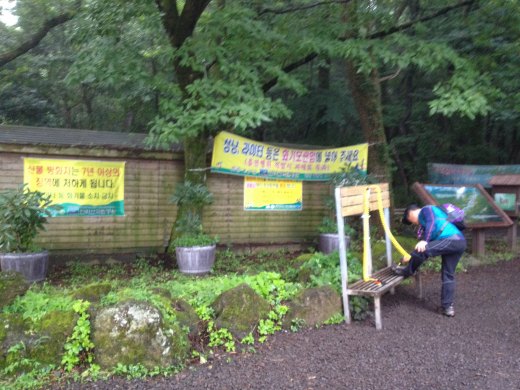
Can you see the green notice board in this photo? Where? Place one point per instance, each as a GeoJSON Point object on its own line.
{"type": "Point", "coordinates": [479, 208]}
{"type": "Point", "coordinates": [505, 201]}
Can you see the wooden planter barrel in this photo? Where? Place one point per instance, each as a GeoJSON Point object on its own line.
{"type": "Point", "coordinates": [33, 266]}
{"type": "Point", "coordinates": [195, 260]}
{"type": "Point", "coordinates": [329, 242]}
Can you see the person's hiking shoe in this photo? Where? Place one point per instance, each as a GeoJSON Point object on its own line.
{"type": "Point", "coordinates": [448, 311]}
{"type": "Point", "coordinates": [399, 271]}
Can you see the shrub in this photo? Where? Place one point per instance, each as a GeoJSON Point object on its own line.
{"type": "Point", "coordinates": [23, 214]}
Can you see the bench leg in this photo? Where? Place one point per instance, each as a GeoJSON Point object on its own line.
{"type": "Point", "coordinates": [418, 284]}
{"type": "Point", "coordinates": [392, 291]}
{"type": "Point", "coordinates": [346, 308]}
{"type": "Point", "coordinates": [377, 312]}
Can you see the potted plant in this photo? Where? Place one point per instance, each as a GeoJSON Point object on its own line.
{"type": "Point", "coordinates": [329, 238]}
{"type": "Point", "coordinates": [23, 213]}
{"type": "Point", "coordinates": [194, 250]}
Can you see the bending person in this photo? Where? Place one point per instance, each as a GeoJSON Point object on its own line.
{"type": "Point", "coordinates": [438, 237]}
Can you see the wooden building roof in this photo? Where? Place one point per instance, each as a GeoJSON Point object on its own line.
{"type": "Point", "coordinates": [49, 136]}
{"type": "Point", "coordinates": [505, 180]}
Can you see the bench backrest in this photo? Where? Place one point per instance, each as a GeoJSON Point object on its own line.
{"type": "Point", "coordinates": [352, 199]}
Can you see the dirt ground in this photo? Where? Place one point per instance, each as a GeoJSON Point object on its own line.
{"type": "Point", "coordinates": [417, 349]}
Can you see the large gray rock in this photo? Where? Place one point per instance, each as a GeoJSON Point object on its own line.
{"type": "Point", "coordinates": [239, 310]}
{"type": "Point", "coordinates": [12, 284]}
{"type": "Point", "coordinates": [314, 306]}
{"type": "Point", "coordinates": [135, 332]}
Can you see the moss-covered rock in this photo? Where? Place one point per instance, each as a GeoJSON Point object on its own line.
{"type": "Point", "coordinates": [162, 292]}
{"type": "Point", "coordinates": [297, 261]}
{"type": "Point", "coordinates": [52, 330]}
{"type": "Point", "coordinates": [303, 275]}
{"type": "Point", "coordinates": [13, 330]}
{"type": "Point", "coordinates": [92, 292]}
{"type": "Point", "coordinates": [313, 305]}
{"type": "Point", "coordinates": [10, 325]}
{"type": "Point", "coordinates": [134, 332]}
{"type": "Point", "coordinates": [42, 342]}
{"type": "Point", "coordinates": [12, 284]}
{"type": "Point", "coordinates": [239, 310]}
{"type": "Point", "coordinates": [186, 316]}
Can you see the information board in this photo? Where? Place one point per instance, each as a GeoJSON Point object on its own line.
{"type": "Point", "coordinates": [468, 174]}
{"type": "Point", "coordinates": [479, 208]}
{"type": "Point", "coordinates": [272, 195]}
{"type": "Point", "coordinates": [506, 201]}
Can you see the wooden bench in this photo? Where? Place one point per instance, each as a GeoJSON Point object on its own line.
{"type": "Point", "coordinates": [350, 202]}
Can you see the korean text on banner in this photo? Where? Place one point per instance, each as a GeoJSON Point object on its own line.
{"type": "Point", "coordinates": [272, 195]}
{"type": "Point", "coordinates": [237, 155]}
{"type": "Point", "coordinates": [79, 188]}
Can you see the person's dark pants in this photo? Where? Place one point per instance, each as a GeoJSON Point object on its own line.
{"type": "Point", "coordinates": [450, 251]}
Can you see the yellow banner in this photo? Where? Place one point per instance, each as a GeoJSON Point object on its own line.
{"type": "Point", "coordinates": [80, 188]}
{"type": "Point", "coordinates": [268, 194]}
{"type": "Point", "coordinates": [237, 155]}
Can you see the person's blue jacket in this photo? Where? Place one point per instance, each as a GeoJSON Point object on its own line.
{"type": "Point", "coordinates": [434, 222]}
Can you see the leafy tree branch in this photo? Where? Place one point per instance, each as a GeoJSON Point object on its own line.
{"type": "Point", "coordinates": [301, 8]}
{"type": "Point", "coordinates": [404, 26]}
{"type": "Point", "coordinates": [35, 39]}
{"type": "Point", "coordinates": [377, 35]}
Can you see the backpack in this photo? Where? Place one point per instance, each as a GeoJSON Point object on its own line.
{"type": "Point", "coordinates": [455, 215]}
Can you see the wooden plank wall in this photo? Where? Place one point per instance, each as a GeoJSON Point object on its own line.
{"type": "Point", "coordinates": [227, 219]}
{"type": "Point", "coordinates": [149, 184]}
{"type": "Point", "coordinates": [148, 212]}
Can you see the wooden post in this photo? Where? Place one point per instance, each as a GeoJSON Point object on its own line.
{"type": "Point", "coordinates": [478, 241]}
{"type": "Point", "coordinates": [512, 235]}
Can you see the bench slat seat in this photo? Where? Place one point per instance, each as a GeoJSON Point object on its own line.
{"type": "Point", "coordinates": [371, 289]}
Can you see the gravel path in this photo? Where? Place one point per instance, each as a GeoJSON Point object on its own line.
{"type": "Point", "coordinates": [417, 348]}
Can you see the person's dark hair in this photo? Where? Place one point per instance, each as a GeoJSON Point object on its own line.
{"type": "Point", "coordinates": [410, 207]}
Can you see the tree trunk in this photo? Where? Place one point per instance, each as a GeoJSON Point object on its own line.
{"type": "Point", "coordinates": [195, 157]}
{"type": "Point", "coordinates": [88, 103]}
{"type": "Point", "coordinates": [366, 93]}
{"type": "Point", "coordinates": [323, 87]}
{"type": "Point", "coordinates": [195, 153]}
{"type": "Point", "coordinates": [179, 26]}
